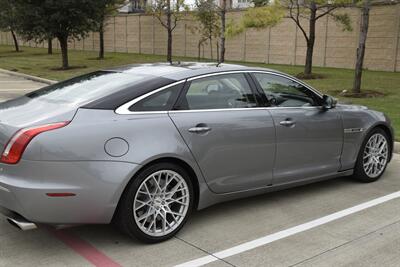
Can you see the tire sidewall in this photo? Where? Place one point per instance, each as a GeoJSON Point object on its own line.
{"type": "Point", "coordinates": [126, 216]}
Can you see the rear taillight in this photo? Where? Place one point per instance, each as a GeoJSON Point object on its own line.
{"type": "Point", "coordinates": [19, 141]}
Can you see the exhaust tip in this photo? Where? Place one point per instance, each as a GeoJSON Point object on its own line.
{"type": "Point", "coordinates": [21, 223]}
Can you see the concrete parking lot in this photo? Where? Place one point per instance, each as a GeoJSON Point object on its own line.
{"type": "Point", "coordinates": [367, 236]}
{"type": "Point", "coordinates": [13, 86]}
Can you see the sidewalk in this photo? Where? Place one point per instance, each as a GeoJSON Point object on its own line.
{"type": "Point", "coordinates": [13, 86]}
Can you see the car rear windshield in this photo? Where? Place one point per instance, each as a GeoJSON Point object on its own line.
{"type": "Point", "coordinates": [88, 87]}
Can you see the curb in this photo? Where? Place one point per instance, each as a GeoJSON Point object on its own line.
{"type": "Point", "coordinates": [29, 77]}
{"type": "Point", "coordinates": [396, 147]}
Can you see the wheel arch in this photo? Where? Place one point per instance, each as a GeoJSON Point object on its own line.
{"type": "Point", "coordinates": [389, 133]}
{"type": "Point", "coordinates": [192, 175]}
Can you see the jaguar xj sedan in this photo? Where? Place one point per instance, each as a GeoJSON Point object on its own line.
{"type": "Point", "coordinates": [144, 145]}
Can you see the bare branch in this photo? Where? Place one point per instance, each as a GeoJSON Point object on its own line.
{"type": "Point", "coordinates": [159, 17]}
{"type": "Point", "coordinates": [176, 19]}
{"type": "Point", "coordinates": [297, 19]}
{"type": "Point", "coordinates": [328, 11]}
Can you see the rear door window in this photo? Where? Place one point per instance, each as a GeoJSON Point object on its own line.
{"type": "Point", "coordinates": [225, 91]}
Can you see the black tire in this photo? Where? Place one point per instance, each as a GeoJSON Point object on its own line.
{"type": "Point", "coordinates": [125, 219]}
{"type": "Point", "coordinates": [359, 172]}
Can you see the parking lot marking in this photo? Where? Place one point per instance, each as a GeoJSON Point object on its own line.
{"type": "Point", "coordinates": [288, 232]}
{"type": "Point", "coordinates": [83, 248]}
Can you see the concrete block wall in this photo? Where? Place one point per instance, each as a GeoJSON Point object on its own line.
{"type": "Point", "coordinates": [282, 44]}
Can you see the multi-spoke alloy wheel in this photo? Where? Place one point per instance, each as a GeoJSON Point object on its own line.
{"type": "Point", "coordinates": [156, 203]}
{"type": "Point", "coordinates": [375, 155]}
{"type": "Point", "coordinates": [161, 203]}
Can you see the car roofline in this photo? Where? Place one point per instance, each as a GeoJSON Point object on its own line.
{"type": "Point", "coordinates": [186, 72]}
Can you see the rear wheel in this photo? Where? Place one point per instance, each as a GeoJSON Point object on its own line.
{"type": "Point", "coordinates": [373, 157]}
{"type": "Point", "coordinates": [157, 203]}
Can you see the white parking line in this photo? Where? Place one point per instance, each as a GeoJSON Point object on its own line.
{"type": "Point", "coordinates": [287, 232]}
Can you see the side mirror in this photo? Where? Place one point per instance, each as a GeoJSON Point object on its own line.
{"type": "Point", "coordinates": [328, 102]}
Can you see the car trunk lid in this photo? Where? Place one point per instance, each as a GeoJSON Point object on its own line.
{"type": "Point", "coordinates": [25, 112]}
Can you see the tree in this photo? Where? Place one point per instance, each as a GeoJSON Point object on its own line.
{"type": "Point", "coordinates": [257, 18]}
{"type": "Point", "coordinates": [364, 23]}
{"type": "Point", "coordinates": [168, 14]}
{"type": "Point", "coordinates": [208, 19]}
{"type": "Point", "coordinates": [8, 19]}
{"type": "Point", "coordinates": [222, 14]}
{"type": "Point", "coordinates": [365, 6]}
{"type": "Point", "coordinates": [64, 20]}
{"type": "Point", "coordinates": [312, 11]}
{"type": "Point", "coordinates": [105, 8]}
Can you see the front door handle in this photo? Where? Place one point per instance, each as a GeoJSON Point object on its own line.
{"type": "Point", "coordinates": [200, 128]}
{"type": "Point", "coordinates": [287, 123]}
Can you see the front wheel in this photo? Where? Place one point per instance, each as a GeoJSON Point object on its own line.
{"type": "Point", "coordinates": [157, 203]}
{"type": "Point", "coordinates": [373, 157]}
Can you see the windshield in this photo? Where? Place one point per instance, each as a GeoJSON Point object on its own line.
{"type": "Point", "coordinates": [87, 87]}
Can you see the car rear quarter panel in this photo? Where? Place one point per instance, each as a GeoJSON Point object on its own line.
{"type": "Point", "coordinates": [149, 136]}
{"type": "Point", "coordinates": [85, 138]}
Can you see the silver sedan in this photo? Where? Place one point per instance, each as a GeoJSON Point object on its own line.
{"type": "Point", "coordinates": [144, 145]}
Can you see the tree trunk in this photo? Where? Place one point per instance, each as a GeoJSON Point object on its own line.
{"type": "Point", "coordinates": [211, 50]}
{"type": "Point", "coordinates": [311, 41]}
{"type": "Point", "coordinates": [64, 51]}
{"type": "Point", "coordinates": [222, 34]}
{"type": "Point", "coordinates": [101, 38]}
{"type": "Point", "coordinates": [169, 32]}
{"type": "Point", "coordinates": [361, 46]}
{"type": "Point", "coordinates": [199, 51]}
{"type": "Point", "coordinates": [15, 41]}
{"type": "Point", "coordinates": [309, 58]}
{"type": "Point", "coordinates": [217, 50]}
{"type": "Point", "coordinates": [169, 48]}
{"type": "Point", "coordinates": [49, 46]}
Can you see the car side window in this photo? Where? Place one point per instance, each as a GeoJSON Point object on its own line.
{"type": "Point", "coordinates": [161, 101]}
{"type": "Point", "coordinates": [284, 92]}
{"type": "Point", "coordinates": [223, 91]}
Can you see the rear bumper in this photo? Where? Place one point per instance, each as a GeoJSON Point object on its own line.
{"type": "Point", "coordinates": [97, 186]}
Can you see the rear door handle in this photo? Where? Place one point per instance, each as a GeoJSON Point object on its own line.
{"type": "Point", "coordinates": [287, 123]}
{"type": "Point", "coordinates": [200, 128]}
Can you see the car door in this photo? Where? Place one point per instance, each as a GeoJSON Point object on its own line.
{"type": "Point", "coordinates": [230, 136]}
{"type": "Point", "coordinates": [308, 137]}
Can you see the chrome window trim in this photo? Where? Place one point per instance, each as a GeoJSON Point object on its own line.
{"type": "Point", "coordinates": [239, 109]}
{"type": "Point", "coordinates": [124, 109]}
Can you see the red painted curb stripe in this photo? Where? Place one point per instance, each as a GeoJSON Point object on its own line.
{"type": "Point", "coordinates": [83, 248]}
